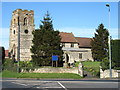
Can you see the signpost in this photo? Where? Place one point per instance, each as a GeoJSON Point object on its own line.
{"type": "Point", "coordinates": [55, 58]}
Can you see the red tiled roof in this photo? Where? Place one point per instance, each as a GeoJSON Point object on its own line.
{"type": "Point", "coordinates": [67, 37]}
{"type": "Point", "coordinates": [6, 53]}
{"type": "Point", "coordinates": [84, 42]}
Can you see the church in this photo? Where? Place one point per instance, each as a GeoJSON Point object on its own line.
{"type": "Point", "coordinates": [74, 48]}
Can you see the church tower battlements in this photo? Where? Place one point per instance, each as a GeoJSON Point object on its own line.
{"type": "Point", "coordinates": [23, 21]}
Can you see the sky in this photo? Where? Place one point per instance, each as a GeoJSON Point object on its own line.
{"type": "Point", "coordinates": [80, 18]}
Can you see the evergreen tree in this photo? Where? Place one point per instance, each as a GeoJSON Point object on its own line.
{"type": "Point", "coordinates": [99, 43]}
{"type": "Point", "coordinates": [115, 45]}
{"type": "Point", "coordinates": [46, 42]}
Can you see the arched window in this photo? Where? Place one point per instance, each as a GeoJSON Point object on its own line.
{"type": "Point", "coordinates": [14, 32]}
{"type": "Point", "coordinates": [25, 21]}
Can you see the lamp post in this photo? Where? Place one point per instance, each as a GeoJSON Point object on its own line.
{"type": "Point", "coordinates": [109, 42]}
{"type": "Point", "coordinates": [18, 51]}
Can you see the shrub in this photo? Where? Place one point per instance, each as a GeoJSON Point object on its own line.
{"type": "Point", "coordinates": [105, 64]}
{"type": "Point", "coordinates": [10, 65]}
{"type": "Point", "coordinates": [76, 64]}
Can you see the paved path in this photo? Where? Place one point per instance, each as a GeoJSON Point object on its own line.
{"type": "Point", "coordinates": [88, 75]}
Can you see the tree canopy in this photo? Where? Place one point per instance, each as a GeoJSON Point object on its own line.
{"type": "Point", "coordinates": [46, 42]}
{"type": "Point", "coordinates": [99, 43]}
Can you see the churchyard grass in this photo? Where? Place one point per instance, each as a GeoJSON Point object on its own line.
{"type": "Point", "coordinates": [9, 74]}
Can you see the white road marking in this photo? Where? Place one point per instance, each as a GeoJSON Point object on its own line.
{"type": "Point", "coordinates": [19, 83]}
{"type": "Point", "coordinates": [62, 85]}
{"type": "Point", "coordinates": [48, 87]}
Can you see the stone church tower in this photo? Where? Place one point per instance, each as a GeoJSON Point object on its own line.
{"type": "Point", "coordinates": [22, 21]}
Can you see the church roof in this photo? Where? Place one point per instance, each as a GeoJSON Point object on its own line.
{"type": "Point", "coordinates": [84, 42]}
{"type": "Point", "coordinates": [67, 37]}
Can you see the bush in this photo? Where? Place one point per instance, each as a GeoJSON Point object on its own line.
{"type": "Point", "coordinates": [10, 65]}
{"type": "Point", "coordinates": [76, 64]}
{"type": "Point", "coordinates": [26, 65]}
{"type": "Point", "coordinates": [105, 64]}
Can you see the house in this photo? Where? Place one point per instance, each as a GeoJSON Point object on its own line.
{"type": "Point", "coordinates": [6, 53]}
{"type": "Point", "coordinates": [75, 49]}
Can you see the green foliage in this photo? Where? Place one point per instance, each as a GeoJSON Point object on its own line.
{"type": "Point", "coordinates": [76, 64]}
{"type": "Point", "coordinates": [26, 64]}
{"type": "Point", "coordinates": [105, 64]}
{"type": "Point", "coordinates": [99, 43]}
{"type": "Point", "coordinates": [10, 65]}
{"type": "Point", "coordinates": [10, 74]}
{"type": "Point", "coordinates": [92, 67]}
{"type": "Point", "coordinates": [115, 53]}
{"type": "Point", "coordinates": [46, 42]}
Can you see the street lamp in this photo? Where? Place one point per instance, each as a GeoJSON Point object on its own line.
{"type": "Point", "coordinates": [109, 42]}
{"type": "Point", "coordinates": [18, 48]}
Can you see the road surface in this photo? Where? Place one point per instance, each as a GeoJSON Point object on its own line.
{"type": "Point", "coordinates": [60, 84]}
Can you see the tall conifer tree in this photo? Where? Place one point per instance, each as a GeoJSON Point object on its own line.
{"type": "Point", "coordinates": [99, 43]}
{"type": "Point", "coordinates": [46, 42]}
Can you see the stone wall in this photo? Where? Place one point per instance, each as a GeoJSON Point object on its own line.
{"type": "Point", "coordinates": [106, 73]}
{"type": "Point", "coordinates": [75, 70]}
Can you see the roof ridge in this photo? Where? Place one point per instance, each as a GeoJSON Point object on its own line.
{"type": "Point", "coordinates": [82, 37]}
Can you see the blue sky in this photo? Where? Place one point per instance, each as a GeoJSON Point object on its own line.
{"type": "Point", "coordinates": [80, 18]}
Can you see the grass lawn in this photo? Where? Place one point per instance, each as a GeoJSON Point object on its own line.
{"type": "Point", "coordinates": [8, 74]}
{"type": "Point", "coordinates": [93, 67]}
{"type": "Point", "coordinates": [91, 64]}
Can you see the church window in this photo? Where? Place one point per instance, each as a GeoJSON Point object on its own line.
{"type": "Point", "coordinates": [80, 55]}
{"type": "Point", "coordinates": [72, 44]}
{"type": "Point", "coordinates": [63, 44]}
{"type": "Point", "coordinates": [26, 31]}
{"type": "Point", "coordinates": [25, 21]}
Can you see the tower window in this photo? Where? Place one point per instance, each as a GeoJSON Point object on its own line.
{"type": "Point", "coordinates": [14, 21]}
{"type": "Point", "coordinates": [26, 31]}
{"type": "Point", "coordinates": [25, 21]}
{"type": "Point", "coordinates": [14, 32]}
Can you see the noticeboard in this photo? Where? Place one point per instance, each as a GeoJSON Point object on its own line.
{"type": "Point", "coordinates": [54, 58]}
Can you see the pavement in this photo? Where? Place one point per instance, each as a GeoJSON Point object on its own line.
{"type": "Point", "coordinates": [62, 84]}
